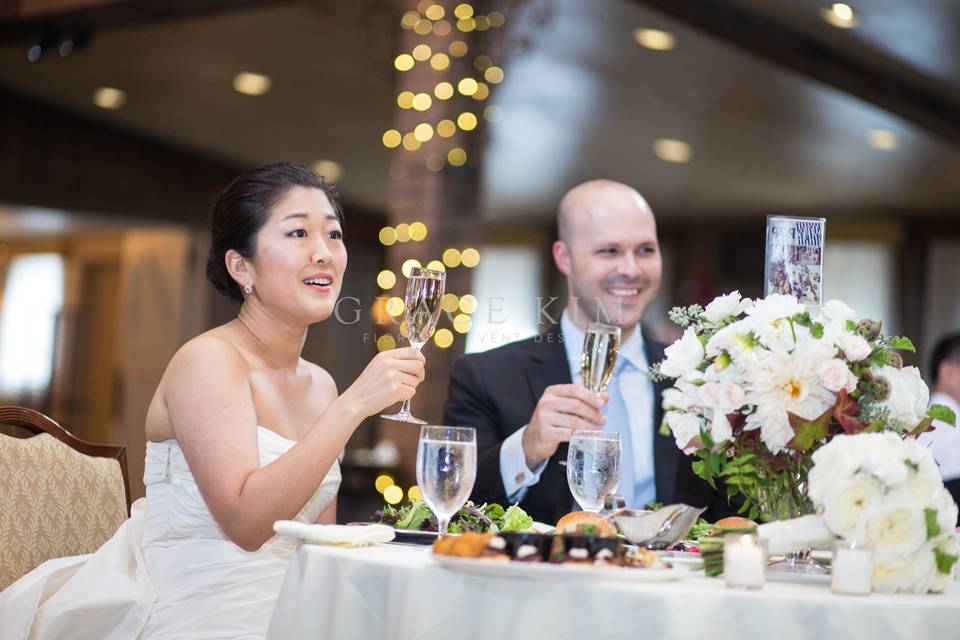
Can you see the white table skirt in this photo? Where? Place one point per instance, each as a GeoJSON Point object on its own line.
{"type": "Point", "coordinates": [395, 591]}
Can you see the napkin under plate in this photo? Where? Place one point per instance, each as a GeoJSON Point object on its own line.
{"type": "Point", "coordinates": [339, 534]}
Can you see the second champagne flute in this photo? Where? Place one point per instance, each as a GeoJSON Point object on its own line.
{"type": "Point", "coordinates": [422, 303]}
{"type": "Point", "coordinates": [601, 342]}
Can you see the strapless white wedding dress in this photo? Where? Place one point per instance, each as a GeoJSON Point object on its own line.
{"type": "Point", "coordinates": [168, 573]}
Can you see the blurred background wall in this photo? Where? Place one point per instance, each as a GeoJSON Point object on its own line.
{"type": "Point", "coordinates": [452, 130]}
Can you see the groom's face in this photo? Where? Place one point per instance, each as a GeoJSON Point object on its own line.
{"type": "Point", "coordinates": [611, 258]}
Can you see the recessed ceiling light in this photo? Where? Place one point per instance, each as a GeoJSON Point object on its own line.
{"type": "Point", "coordinates": [672, 150]}
{"type": "Point", "coordinates": [840, 15]}
{"type": "Point", "coordinates": [109, 97]}
{"type": "Point", "coordinates": [655, 39]}
{"type": "Point", "coordinates": [251, 84]}
{"type": "Point", "coordinates": [328, 169]}
{"type": "Point", "coordinates": [882, 139]}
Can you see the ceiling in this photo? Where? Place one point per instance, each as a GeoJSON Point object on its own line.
{"type": "Point", "coordinates": [581, 100]}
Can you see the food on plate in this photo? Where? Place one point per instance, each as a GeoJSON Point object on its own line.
{"type": "Point", "coordinates": [467, 545]}
{"type": "Point", "coordinates": [644, 558]}
{"type": "Point", "coordinates": [735, 522]}
{"type": "Point", "coordinates": [586, 523]}
{"type": "Point", "coordinates": [487, 517]}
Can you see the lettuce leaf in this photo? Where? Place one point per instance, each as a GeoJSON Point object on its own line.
{"type": "Point", "coordinates": [515, 519]}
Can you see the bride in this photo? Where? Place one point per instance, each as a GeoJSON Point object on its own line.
{"type": "Point", "coordinates": [240, 433]}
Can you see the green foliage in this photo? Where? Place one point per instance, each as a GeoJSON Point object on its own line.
{"type": "Point", "coordinates": [945, 561]}
{"type": "Point", "coordinates": [900, 343]}
{"type": "Point", "coordinates": [933, 527]}
{"type": "Point", "coordinates": [943, 414]}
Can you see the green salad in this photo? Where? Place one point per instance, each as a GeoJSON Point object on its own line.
{"type": "Point", "coordinates": [486, 517]}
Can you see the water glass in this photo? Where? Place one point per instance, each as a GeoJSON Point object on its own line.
{"type": "Point", "coordinates": [446, 469]}
{"type": "Point", "coordinates": [593, 467]}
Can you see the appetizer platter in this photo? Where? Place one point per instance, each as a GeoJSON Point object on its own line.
{"type": "Point", "coordinates": [585, 545]}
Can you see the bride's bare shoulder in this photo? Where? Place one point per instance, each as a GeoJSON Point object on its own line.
{"type": "Point", "coordinates": [216, 352]}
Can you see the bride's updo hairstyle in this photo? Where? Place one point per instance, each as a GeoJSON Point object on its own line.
{"type": "Point", "coordinates": [243, 208]}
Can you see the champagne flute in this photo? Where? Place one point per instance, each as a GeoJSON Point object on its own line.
{"type": "Point", "coordinates": [601, 343]}
{"type": "Point", "coordinates": [593, 467]}
{"type": "Point", "coordinates": [422, 303]}
{"type": "Point", "coordinates": [446, 469]}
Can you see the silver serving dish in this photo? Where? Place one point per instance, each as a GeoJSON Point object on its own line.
{"type": "Point", "coordinates": [657, 529]}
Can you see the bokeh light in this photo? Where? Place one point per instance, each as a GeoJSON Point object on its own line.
{"type": "Point", "coordinates": [443, 338]}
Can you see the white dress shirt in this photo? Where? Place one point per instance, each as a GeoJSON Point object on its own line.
{"type": "Point", "coordinates": [637, 392]}
{"type": "Point", "coordinates": [944, 440]}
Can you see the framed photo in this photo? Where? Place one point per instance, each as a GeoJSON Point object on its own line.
{"type": "Point", "coordinates": [794, 258]}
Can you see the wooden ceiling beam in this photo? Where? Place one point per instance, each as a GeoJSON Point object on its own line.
{"type": "Point", "coordinates": [24, 19]}
{"type": "Point", "coordinates": [873, 77]}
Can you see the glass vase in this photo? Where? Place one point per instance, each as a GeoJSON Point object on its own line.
{"type": "Point", "coordinates": [783, 496]}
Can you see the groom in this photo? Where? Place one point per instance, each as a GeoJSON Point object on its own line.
{"type": "Point", "coordinates": [526, 398]}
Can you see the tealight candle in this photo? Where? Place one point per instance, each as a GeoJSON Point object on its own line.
{"type": "Point", "coordinates": [743, 561]}
{"type": "Point", "coordinates": [852, 568]}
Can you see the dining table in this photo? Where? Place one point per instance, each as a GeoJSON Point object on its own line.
{"type": "Point", "coordinates": [401, 591]}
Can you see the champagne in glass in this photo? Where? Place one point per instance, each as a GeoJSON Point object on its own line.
{"type": "Point", "coordinates": [600, 346]}
{"type": "Point", "coordinates": [422, 303]}
{"type": "Point", "coordinates": [593, 467]}
{"type": "Point", "coordinates": [446, 469]}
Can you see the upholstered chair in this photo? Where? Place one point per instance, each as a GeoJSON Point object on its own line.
{"type": "Point", "coordinates": [59, 495]}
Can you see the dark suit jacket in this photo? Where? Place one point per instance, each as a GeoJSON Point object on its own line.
{"type": "Point", "coordinates": [496, 392]}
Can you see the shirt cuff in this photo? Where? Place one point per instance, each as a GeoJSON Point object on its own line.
{"type": "Point", "coordinates": [517, 478]}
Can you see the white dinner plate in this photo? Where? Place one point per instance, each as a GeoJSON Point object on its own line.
{"type": "Point", "coordinates": [548, 571]}
{"type": "Point", "coordinates": [689, 559]}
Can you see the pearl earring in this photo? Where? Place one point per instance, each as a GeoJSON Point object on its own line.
{"type": "Point", "coordinates": [248, 289]}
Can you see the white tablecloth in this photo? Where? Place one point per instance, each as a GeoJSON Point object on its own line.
{"type": "Point", "coordinates": [395, 591]}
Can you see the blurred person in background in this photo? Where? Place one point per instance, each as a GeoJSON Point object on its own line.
{"type": "Point", "coordinates": [944, 440]}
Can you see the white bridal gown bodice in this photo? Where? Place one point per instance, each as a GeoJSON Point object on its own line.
{"type": "Point", "coordinates": [168, 572]}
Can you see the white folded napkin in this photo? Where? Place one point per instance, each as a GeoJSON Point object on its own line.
{"type": "Point", "coordinates": [346, 535]}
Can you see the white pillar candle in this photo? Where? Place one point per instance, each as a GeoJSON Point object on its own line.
{"type": "Point", "coordinates": [743, 561]}
{"type": "Point", "coordinates": [851, 569]}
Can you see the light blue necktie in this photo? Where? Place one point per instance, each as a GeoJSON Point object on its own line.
{"type": "Point", "coordinates": [636, 494]}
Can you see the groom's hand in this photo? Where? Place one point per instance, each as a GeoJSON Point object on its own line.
{"type": "Point", "coordinates": [562, 409]}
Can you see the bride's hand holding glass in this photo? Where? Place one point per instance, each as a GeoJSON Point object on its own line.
{"type": "Point", "coordinates": [392, 376]}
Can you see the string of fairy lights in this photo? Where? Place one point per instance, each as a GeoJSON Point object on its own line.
{"type": "Point", "coordinates": [435, 138]}
{"type": "Point", "coordinates": [432, 136]}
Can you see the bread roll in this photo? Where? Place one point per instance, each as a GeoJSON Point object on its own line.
{"type": "Point", "coordinates": [735, 522]}
{"type": "Point", "coordinates": [574, 522]}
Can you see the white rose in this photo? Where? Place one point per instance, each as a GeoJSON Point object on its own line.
{"type": "Point", "coordinates": [846, 503]}
{"type": "Point", "coordinates": [834, 374]}
{"type": "Point", "coordinates": [836, 311]}
{"type": "Point", "coordinates": [709, 395]}
{"type": "Point", "coordinates": [684, 355]}
{"type": "Point", "coordinates": [854, 347]}
{"type": "Point", "coordinates": [685, 427]}
{"type": "Point", "coordinates": [941, 581]}
{"type": "Point", "coordinates": [894, 530]}
{"type": "Point", "coordinates": [731, 396]}
{"type": "Point", "coordinates": [912, 573]}
{"type": "Point", "coordinates": [908, 398]}
{"type": "Point", "coordinates": [946, 512]}
{"type": "Point", "coordinates": [726, 306]}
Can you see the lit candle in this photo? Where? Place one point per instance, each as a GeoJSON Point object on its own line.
{"type": "Point", "coordinates": [743, 561]}
{"type": "Point", "coordinates": [851, 569]}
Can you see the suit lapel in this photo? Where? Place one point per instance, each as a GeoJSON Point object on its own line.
{"type": "Point", "coordinates": [548, 367]}
{"type": "Point", "coordinates": [664, 448]}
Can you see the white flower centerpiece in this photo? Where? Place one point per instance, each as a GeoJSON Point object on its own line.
{"type": "Point", "coordinates": [886, 490]}
{"type": "Point", "coordinates": [761, 385]}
